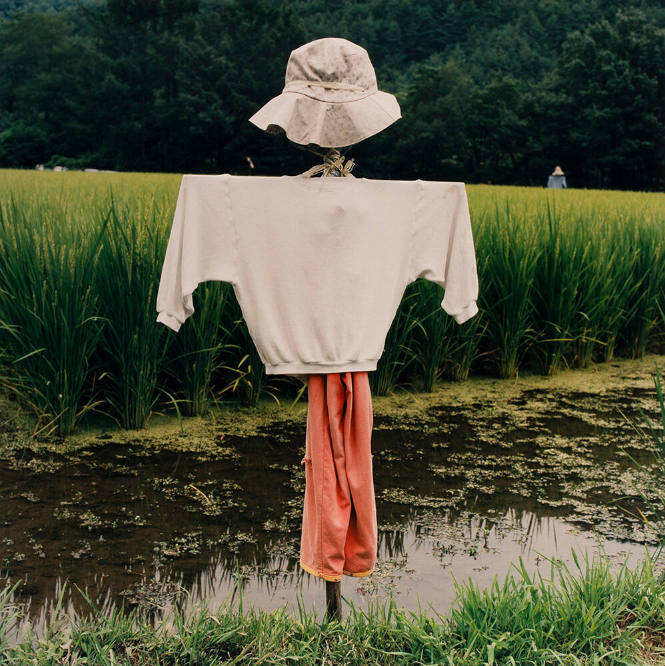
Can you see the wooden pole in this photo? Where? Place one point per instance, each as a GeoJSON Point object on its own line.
{"type": "Point", "coordinates": [334, 165]}
{"type": "Point", "coordinates": [334, 600]}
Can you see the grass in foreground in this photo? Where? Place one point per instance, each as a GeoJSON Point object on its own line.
{"type": "Point", "coordinates": [582, 614]}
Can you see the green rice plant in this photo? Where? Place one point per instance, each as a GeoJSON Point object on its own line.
{"type": "Point", "coordinates": [507, 258]}
{"type": "Point", "coordinates": [565, 278]}
{"type": "Point", "coordinates": [622, 292]}
{"type": "Point", "coordinates": [647, 275]}
{"type": "Point", "coordinates": [8, 613]}
{"type": "Point", "coordinates": [658, 333]}
{"type": "Point", "coordinates": [594, 299]}
{"type": "Point", "coordinates": [196, 349]}
{"type": "Point", "coordinates": [133, 343]}
{"type": "Point", "coordinates": [465, 341]}
{"type": "Point", "coordinates": [49, 327]}
{"type": "Point", "coordinates": [245, 373]}
{"type": "Point", "coordinates": [398, 351]}
{"type": "Point", "coordinates": [252, 376]}
{"type": "Point", "coordinates": [555, 288]}
{"type": "Point", "coordinates": [432, 340]}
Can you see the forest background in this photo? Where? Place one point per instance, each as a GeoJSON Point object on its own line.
{"type": "Point", "coordinates": [492, 91]}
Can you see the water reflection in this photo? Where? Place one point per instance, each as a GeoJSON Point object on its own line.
{"type": "Point", "coordinates": [139, 529]}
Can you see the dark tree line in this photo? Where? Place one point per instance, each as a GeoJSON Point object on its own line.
{"type": "Point", "coordinates": [491, 90]}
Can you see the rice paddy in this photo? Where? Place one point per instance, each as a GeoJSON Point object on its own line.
{"type": "Point", "coordinates": [112, 539]}
{"type": "Point", "coordinates": [567, 278]}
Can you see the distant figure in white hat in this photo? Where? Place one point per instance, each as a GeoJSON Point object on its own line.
{"type": "Point", "coordinates": [557, 179]}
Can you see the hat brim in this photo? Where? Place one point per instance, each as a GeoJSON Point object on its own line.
{"type": "Point", "coordinates": [306, 120]}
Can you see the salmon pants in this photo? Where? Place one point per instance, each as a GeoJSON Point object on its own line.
{"type": "Point", "coordinates": [339, 532]}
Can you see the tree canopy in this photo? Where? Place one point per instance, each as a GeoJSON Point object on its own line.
{"type": "Point", "coordinates": [490, 90]}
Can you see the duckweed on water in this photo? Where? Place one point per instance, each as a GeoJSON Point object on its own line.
{"type": "Point", "coordinates": [455, 475]}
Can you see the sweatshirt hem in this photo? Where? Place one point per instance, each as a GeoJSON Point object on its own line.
{"type": "Point", "coordinates": [300, 368]}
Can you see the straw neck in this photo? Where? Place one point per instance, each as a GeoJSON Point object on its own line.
{"type": "Point", "coordinates": [333, 164]}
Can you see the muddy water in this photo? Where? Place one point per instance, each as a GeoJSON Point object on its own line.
{"type": "Point", "coordinates": [468, 480]}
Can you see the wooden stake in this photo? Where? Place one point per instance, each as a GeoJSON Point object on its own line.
{"type": "Point", "coordinates": [334, 600]}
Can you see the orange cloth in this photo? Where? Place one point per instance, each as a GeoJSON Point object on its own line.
{"type": "Point", "coordinates": [339, 531]}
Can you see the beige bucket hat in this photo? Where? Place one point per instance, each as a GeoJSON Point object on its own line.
{"type": "Point", "coordinates": [330, 97]}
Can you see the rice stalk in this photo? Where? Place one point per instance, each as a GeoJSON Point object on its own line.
{"type": "Point", "coordinates": [555, 288]}
{"type": "Point", "coordinates": [48, 310]}
{"type": "Point", "coordinates": [398, 351]}
{"type": "Point", "coordinates": [133, 344]}
{"type": "Point", "coordinates": [197, 348]}
{"type": "Point", "coordinates": [647, 276]}
{"type": "Point", "coordinates": [508, 256]}
{"type": "Point", "coordinates": [432, 341]}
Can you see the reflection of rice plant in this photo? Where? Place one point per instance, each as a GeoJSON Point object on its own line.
{"type": "Point", "coordinates": [650, 485]}
{"type": "Point", "coordinates": [575, 614]}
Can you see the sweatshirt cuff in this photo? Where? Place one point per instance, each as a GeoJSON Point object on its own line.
{"type": "Point", "coordinates": [467, 313]}
{"type": "Point", "coordinates": [169, 320]}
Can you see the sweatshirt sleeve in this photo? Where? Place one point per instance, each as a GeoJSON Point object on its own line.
{"type": "Point", "coordinates": [443, 247]}
{"type": "Point", "coordinates": [201, 246]}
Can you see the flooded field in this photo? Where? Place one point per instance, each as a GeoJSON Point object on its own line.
{"type": "Point", "coordinates": [468, 480]}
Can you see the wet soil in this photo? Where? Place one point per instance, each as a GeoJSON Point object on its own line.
{"type": "Point", "coordinates": [468, 479]}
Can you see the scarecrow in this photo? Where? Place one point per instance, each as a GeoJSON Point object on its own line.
{"type": "Point", "coordinates": [319, 267]}
{"type": "Point", "coordinates": [557, 179]}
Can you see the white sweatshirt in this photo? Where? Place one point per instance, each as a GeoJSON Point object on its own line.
{"type": "Point", "coordinates": [318, 265]}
